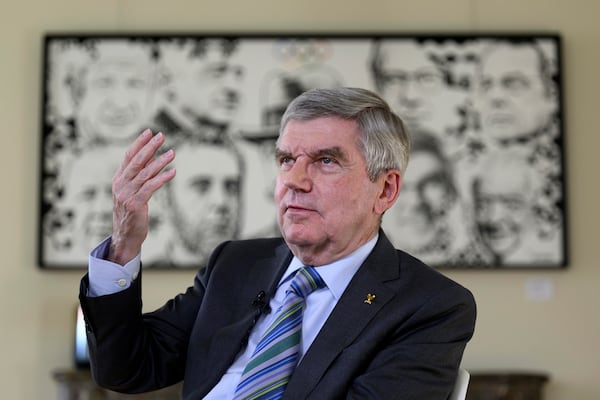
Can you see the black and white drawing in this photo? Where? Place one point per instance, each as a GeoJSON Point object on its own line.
{"type": "Point", "coordinates": [485, 186]}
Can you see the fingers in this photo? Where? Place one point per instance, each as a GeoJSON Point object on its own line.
{"type": "Point", "coordinates": [142, 151]}
{"type": "Point", "coordinates": [150, 178]}
{"type": "Point", "coordinates": [135, 147]}
{"type": "Point", "coordinates": [141, 163]}
{"type": "Point", "coordinates": [141, 173]}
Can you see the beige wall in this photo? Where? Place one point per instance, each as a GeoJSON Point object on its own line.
{"type": "Point", "coordinates": [558, 336]}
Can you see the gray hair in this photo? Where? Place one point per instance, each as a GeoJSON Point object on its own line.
{"type": "Point", "coordinates": [383, 140]}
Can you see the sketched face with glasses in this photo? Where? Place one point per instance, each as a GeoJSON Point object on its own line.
{"type": "Point", "coordinates": [408, 79]}
{"type": "Point", "coordinates": [418, 217]}
{"type": "Point", "coordinates": [407, 76]}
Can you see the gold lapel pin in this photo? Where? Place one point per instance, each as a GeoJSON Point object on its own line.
{"type": "Point", "coordinates": [370, 298]}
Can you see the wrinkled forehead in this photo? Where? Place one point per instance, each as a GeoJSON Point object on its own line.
{"type": "Point", "coordinates": [206, 158]}
{"type": "Point", "coordinates": [119, 67]}
{"type": "Point", "coordinates": [505, 58]}
{"type": "Point", "coordinates": [404, 56]}
{"type": "Point", "coordinates": [318, 133]}
{"type": "Point", "coordinates": [506, 181]}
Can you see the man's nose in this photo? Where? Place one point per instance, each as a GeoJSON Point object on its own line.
{"type": "Point", "coordinates": [497, 96]}
{"type": "Point", "coordinates": [217, 196]}
{"type": "Point", "coordinates": [410, 96]}
{"type": "Point", "coordinates": [297, 177]}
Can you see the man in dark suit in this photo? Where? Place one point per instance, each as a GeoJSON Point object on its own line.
{"type": "Point", "coordinates": [383, 326]}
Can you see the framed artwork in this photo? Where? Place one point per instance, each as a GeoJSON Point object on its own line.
{"type": "Point", "coordinates": [485, 187]}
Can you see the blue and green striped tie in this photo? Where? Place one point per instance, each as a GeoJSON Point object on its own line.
{"type": "Point", "coordinates": [271, 365]}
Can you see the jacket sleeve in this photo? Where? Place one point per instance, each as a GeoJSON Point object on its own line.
{"type": "Point", "coordinates": [134, 352]}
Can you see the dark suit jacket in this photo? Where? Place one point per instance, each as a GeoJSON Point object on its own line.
{"type": "Point", "coordinates": [406, 344]}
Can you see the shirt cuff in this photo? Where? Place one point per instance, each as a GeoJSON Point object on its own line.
{"type": "Point", "coordinates": [107, 277]}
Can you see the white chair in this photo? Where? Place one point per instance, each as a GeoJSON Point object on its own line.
{"type": "Point", "coordinates": [460, 386]}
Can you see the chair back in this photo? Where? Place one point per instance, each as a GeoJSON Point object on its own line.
{"type": "Point", "coordinates": [460, 386]}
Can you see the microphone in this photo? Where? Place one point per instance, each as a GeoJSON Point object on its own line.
{"type": "Point", "coordinates": [262, 307]}
{"type": "Point", "coordinates": [260, 302]}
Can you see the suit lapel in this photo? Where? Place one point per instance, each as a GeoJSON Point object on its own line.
{"type": "Point", "coordinates": [265, 274]}
{"type": "Point", "coordinates": [355, 309]}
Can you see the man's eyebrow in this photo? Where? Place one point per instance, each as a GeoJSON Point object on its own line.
{"type": "Point", "coordinates": [333, 152]}
{"type": "Point", "coordinates": [281, 153]}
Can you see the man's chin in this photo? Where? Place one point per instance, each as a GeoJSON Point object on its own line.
{"type": "Point", "coordinates": [299, 236]}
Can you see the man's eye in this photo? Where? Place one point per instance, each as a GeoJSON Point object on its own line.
{"type": "Point", "coordinates": [136, 83]}
{"type": "Point", "coordinates": [285, 160]}
{"type": "Point", "coordinates": [515, 83]}
{"type": "Point", "coordinates": [89, 194]}
{"type": "Point", "coordinates": [104, 82]}
{"type": "Point", "coordinates": [327, 160]}
{"type": "Point", "coordinates": [201, 185]}
{"type": "Point", "coordinates": [395, 79]}
{"type": "Point", "coordinates": [428, 79]}
{"type": "Point", "coordinates": [485, 84]}
{"type": "Point", "coordinates": [232, 186]}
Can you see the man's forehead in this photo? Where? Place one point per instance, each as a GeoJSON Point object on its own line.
{"type": "Point", "coordinates": [315, 142]}
{"type": "Point", "coordinates": [405, 56]}
{"type": "Point", "coordinates": [511, 58]}
{"type": "Point", "coordinates": [205, 152]}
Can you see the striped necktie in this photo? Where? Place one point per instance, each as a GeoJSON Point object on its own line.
{"type": "Point", "coordinates": [273, 361]}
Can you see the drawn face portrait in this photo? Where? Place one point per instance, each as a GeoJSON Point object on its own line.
{"type": "Point", "coordinates": [427, 193]}
{"type": "Point", "coordinates": [207, 86]}
{"type": "Point", "coordinates": [513, 99]}
{"type": "Point", "coordinates": [117, 96]}
{"type": "Point", "coordinates": [89, 194]}
{"type": "Point", "coordinates": [415, 88]}
{"type": "Point", "coordinates": [205, 196]}
{"type": "Point", "coordinates": [503, 206]}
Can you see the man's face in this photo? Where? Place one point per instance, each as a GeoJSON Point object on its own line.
{"type": "Point", "coordinates": [208, 87]}
{"type": "Point", "coordinates": [206, 196]}
{"type": "Point", "coordinates": [325, 201]}
{"type": "Point", "coordinates": [117, 99]}
{"type": "Point", "coordinates": [502, 211]}
{"type": "Point", "coordinates": [89, 194]}
{"type": "Point", "coordinates": [414, 87]}
{"type": "Point", "coordinates": [513, 100]}
{"type": "Point", "coordinates": [426, 194]}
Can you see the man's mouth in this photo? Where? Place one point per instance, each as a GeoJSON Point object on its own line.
{"type": "Point", "coordinates": [294, 208]}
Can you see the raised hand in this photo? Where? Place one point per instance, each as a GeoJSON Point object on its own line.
{"type": "Point", "coordinates": [141, 173]}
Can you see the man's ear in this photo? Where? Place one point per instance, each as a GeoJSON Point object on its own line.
{"type": "Point", "coordinates": [390, 184]}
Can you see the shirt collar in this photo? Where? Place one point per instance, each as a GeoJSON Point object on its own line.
{"type": "Point", "coordinates": [337, 275]}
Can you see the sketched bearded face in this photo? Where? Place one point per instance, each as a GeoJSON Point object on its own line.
{"type": "Point", "coordinates": [205, 197]}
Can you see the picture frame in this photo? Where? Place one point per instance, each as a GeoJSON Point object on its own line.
{"type": "Point", "coordinates": [485, 187]}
